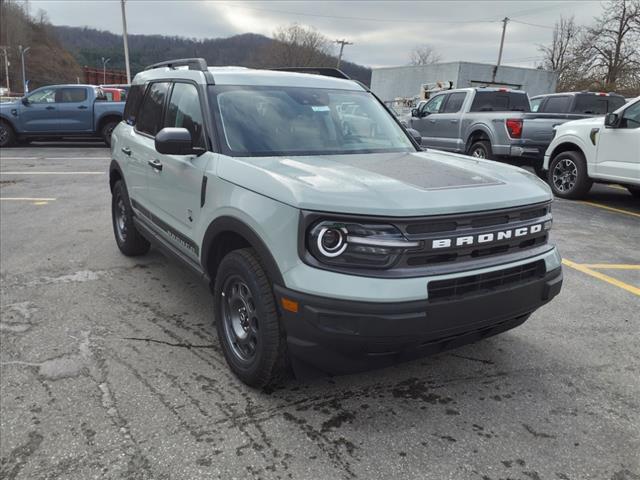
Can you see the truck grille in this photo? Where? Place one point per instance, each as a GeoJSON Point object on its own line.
{"type": "Point", "coordinates": [485, 282]}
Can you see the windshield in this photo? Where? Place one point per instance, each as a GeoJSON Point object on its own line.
{"type": "Point", "coordinates": [266, 121]}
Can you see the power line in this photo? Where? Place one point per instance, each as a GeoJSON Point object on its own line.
{"type": "Point", "coordinates": [533, 24]}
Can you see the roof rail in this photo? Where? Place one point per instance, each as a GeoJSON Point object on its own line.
{"type": "Point", "coordinates": [324, 71]}
{"type": "Point", "coordinates": [193, 64]}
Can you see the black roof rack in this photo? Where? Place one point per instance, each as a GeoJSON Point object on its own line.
{"type": "Point", "coordinates": [193, 64]}
{"type": "Point", "coordinates": [324, 71]}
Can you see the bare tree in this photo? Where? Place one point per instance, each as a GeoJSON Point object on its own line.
{"type": "Point", "coordinates": [612, 44]}
{"type": "Point", "coordinates": [424, 55]}
{"type": "Point", "coordinates": [560, 55]}
{"type": "Point", "coordinates": [296, 46]}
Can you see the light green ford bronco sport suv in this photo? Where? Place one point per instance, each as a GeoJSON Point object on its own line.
{"type": "Point", "coordinates": [331, 241]}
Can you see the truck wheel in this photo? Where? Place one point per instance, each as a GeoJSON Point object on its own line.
{"type": "Point", "coordinates": [129, 240]}
{"type": "Point", "coordinates": [635, 191]}
{"type": "Point", "coordinates": [568, 176]}
{"type": "Point", "coordinates": [107, 130]}
{"type": "Point", "coordinates": [481, 149]}
{"type": "Point", "coordinates": [7, 135]}
{"type": "Point", "coordinates": [247, 321]}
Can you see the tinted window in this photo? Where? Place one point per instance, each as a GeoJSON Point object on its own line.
{"type": "Point", "coordinates": [535, 104]}
{"type": "Point", "coordinates": [71, 95]}
{"type": "Point", "coordinates": [590, 105]}
{"type": "Point", "coordinates": [184, 111]}
{"type": "Point", "coordinates": [46, 95]}
{"type": "Point", "coordinates": [433, 105]}
{"type": "Point", "coordinates": [150, 115]}
{"type": "Point", "coordinates": [631, 117]}
{"type": "Point", "coordinates": [496, 101]}
{"type": "Point", "coordinates": [614, 103]}
{"type": "Point", "coordinates": [454, 102]}
{"type": "Point", "coordinates": [136, 93]}
{"type": "Point", "coordinates": [558, 104]}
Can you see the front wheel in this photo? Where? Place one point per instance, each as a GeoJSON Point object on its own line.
{"type": "Point", "coordinates": [568, 176]}
{"type": "Point", "coordinates": [247, 320]}
{"type": "Point", "coordinates": [7, 135]}
{"type": "Point", "coordinates": [481, 149]}
{"type": "Point", "coordinates": [129, 240]}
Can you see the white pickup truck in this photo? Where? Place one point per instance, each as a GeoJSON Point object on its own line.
{"type": "Point", "coordinates": [601, 149]}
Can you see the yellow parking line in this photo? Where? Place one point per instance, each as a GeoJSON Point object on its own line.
{"type": "Point", "coordinates": [612, 266]}
{"type": "Point", "coordinates": [26, 199]}
{"type": "Point", "coordinates": [601, 276]}
{"type": "Point", "coordinates": [618, 210]}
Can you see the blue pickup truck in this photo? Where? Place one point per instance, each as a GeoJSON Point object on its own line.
{"type": "Point", "coordinates": [59, 111]}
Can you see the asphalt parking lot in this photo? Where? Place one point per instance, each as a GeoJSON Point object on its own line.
{"type": "Point", "coordinates": [110, 367]}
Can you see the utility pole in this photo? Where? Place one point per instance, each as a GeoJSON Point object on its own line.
{"type": "Point", "coordinates": [505, 20]}
{"type": "Point", "coordinates": [24, 76]}
{"type": "Point", "coordinates": [104, 69]}
{"type": "Point", "coordinates": [126, 44]}
{"type": "Point", "coordinates": [6, 67]}
{"type": "Point", "coordinates": [342, 43]}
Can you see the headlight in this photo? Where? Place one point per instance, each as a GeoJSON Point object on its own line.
{"type": "Point", "coordinates": [357, 245]}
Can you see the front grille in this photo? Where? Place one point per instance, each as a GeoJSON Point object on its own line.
{"type": "Point", "coordinates": [485, 282]}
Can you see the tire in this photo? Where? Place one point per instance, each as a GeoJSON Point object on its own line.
{"type": "Point", "coordinates": [635, 191]}
{"type": "Point", "coordinates": [568, 176]}
{"type": "Point", "coordinates": [481, 149]}
{"type": "Point", "coordinates": [129, 240]}
{"type": "Point", "coordinates": [247, 320]}
{"type": "Point", "coordinates": [7, 135]}
{"type": "Point", "coordinates": [107, 130]}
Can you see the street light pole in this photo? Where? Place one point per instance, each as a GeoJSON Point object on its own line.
{"type": "Point", "coordinates": [126, 44]}
{"type": "Point", "coordinates": [342, 43]}
{"type": "Point", "coordinates": [6, 67]}
{"type": "Point", "coordinates": [24, 76]}
{"type": "Point", "coordinates": [104, 69]}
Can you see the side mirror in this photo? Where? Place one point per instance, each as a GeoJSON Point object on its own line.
{"type": "Point", "coordinates": [174, 141]}
{"type": "Point", "coordinates": [415, 112]}
{"type": "Point", "coordinates": [25, 101]}
{"type": "Point", "coordinates": [611, 120]}
{"type": "Point", "coordinates": [416, 135]}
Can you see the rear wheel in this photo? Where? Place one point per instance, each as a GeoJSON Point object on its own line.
{"type": "Point", "coordinates": [129, 240]}
{"type": "Point", "coordinates": [568, 176]}
{"type": "Point", "coordinates": [247, 320]}
{"type": "Point", "coordinates": [481, 149]}
{"type": "Point", "coordinates": [7, 135]}
{"type": "Point", "coordinates": [107, 130]}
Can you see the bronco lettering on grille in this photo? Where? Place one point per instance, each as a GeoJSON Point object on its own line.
{"type": "Point", "coordinates": [486, 238]}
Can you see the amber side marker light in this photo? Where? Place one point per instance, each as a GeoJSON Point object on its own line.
{"type": "Point", "coordinates": [289, 305]}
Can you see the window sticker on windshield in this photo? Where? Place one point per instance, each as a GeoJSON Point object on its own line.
{"type": "Point", "coordinates": [320, 108]}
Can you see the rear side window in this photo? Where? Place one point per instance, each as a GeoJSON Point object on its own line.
{"type": "Point", "coordinates": [558, 104]}
{"type": "Point", "coordinates": [134, 99]}
{"type": "Point", "coordinates": [71, 95]}
{"type": "Point", "coordinates": [590, 105]}
{"type": "Point", "coordinates": [184, 111]}
{"type": "Point", "coordinates": [500, 102]}
{"type": "Point", "coordinates": [149, 119]}
{"type": "Point", "coordinates": [454, 102]}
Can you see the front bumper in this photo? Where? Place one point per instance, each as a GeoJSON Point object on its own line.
{"type": "Point", "coordinates": [341, 336]}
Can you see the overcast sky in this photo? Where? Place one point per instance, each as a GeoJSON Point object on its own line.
{"type": "Point", "coordinates": [383, 32]}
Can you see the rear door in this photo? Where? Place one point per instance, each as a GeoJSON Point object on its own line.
{"type": "Point", "coordinates": [175, 189]}
{"type": "Point", "coordinates": [74, 110]}
{"type": "Point", "coordinates": [447, 122]}
{"type": "Point", "coordinates": [618, 156]}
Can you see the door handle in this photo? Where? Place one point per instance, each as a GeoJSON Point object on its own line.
{"type": "Point", "coordinates": [432, 121]}
{"type": "Point", "coordinates": [126, 151]}
{"type": "Point", "coordinates": [51, 108]}
{"type": "Point", "coordinates": [453, 121]}
{"type": "Point", "coordinates": [82, 107]}
{"type": "Point", "coordinates": [155, 164]}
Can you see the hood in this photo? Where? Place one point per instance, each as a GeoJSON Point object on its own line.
{"type": "Point", "coordinates": [392, 184]}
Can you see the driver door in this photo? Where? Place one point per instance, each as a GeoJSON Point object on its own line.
{"type": "Point", "coordinates": [618, 155]}
{"type": "Point", "coordinates": [425, 122]}
{"type": "Point", "coordinates": [39, 115]}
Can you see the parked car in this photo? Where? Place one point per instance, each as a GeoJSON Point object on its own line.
{"type": "Point", "coordinates": [59, 111]}
{"type": "Point", "coordinates": [580, 103]}
{"type": "Point", "coordinates": [603, 149]}
{"type": "Point", "coordinates": [326, 247]}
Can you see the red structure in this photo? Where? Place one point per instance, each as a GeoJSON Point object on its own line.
{"type": "Point", "coordinates": [94, 76]}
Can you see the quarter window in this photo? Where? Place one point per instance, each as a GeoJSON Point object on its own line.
{"type": "Point", "coordinates": [134, 99]}
{"type": "Point", "coordinates": [184, 111]}
{"type": "Point", "coordinates": [150, 116]}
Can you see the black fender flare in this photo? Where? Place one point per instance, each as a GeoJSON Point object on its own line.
{"type": "Point", "coordinates": [231, 224]}
{"type": "Point", "coordinates": [473, 130]}
{"type": "Point", "coordinates": [114, 167]}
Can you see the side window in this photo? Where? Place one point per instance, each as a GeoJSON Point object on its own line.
{"type": "Point", "coordinates": [149, 119]}
{"type": "Point", "coordinates": [535, 103]}
{"type": "Point", "coordinates": [631, 117]}
{"type": "Point", "coordinates": [454, 102]}
{"type": "Point", "coordinates": [558, 104]}
{"type": "Point", "coordinates": [46, 95]}
{"type": "Point", "coordinates": [134, 99]}
{"type": "Point", "coordinates": [590, 105]}
{"type": "Point", "coordinates": [614, 103]}
{"type": "Point", "coordinates": [433, 105]}
{"type": "Point", "coordinates": [71, 95]}
{"type": "Point", "coordinates": [184, 111]}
